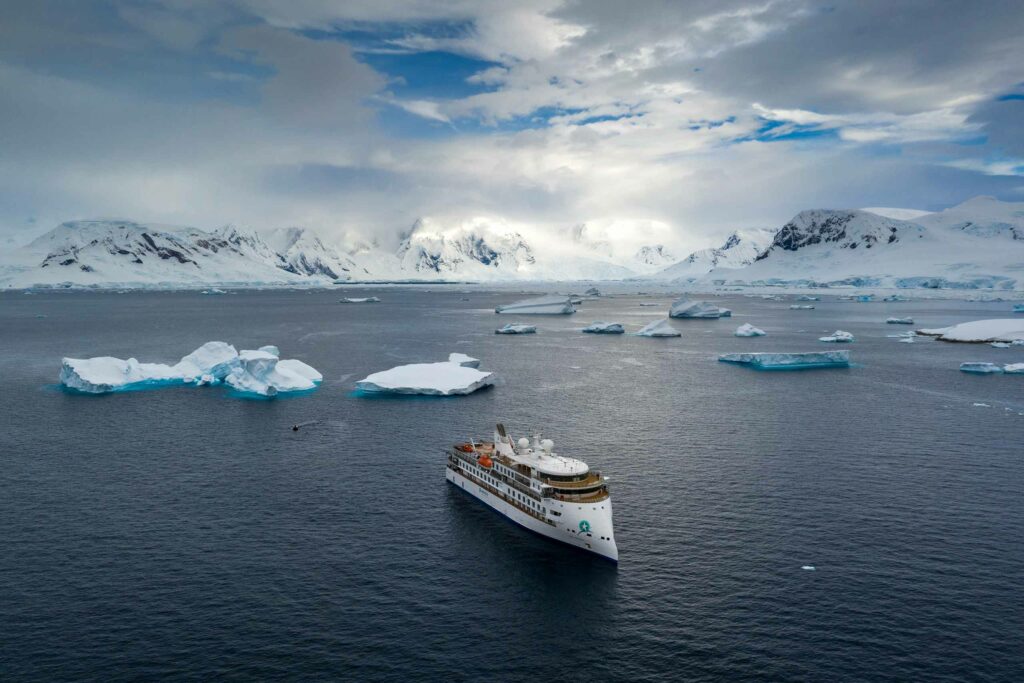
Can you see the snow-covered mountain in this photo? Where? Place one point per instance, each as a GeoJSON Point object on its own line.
{"type": "Point", "coordinates": [979, 243]}
{"type": "Point", "coordinates": [302, 252]}
{"type": "Point", "coordinates": [473, 251]}
{"type": "Point", "coordinates": [739, 250]}
{"type": "Point", "coordinates": [653, 256]}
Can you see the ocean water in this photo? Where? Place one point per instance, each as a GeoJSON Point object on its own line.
{"type": "Point", "coordinates": [183, 534]}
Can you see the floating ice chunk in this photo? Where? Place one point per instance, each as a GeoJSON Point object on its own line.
{"type": "Point", "coordinates": [213, 291]}
{"type": "Point", "coordinates": [907, 340]}
{"type": "Point", "coordinates": [790, 361]}
{"type": "Point", "coordinates": [433, 379]}
{"type": "Point", "coordinates": [838, 336]}
{"type": "Point", "coordinates": [979, 331]}
{"type": "Point", "coordinates": [601, 327]}
{"type": "Point", "coordinates": [659, 328]}
{"type": "Point", "coordinates": [980, 368]}
{"type": "Point", "coordinates": [895, 297]}
{"type": "Point", "coordinates": [807, 297]}
{"type": "Point", "coordinates": [362, 300]}
{"type": "Point", "coordinates": [982, 405]}
{"type": "Point", "coordinates": [798, 307]}
{"type": "Point", "coordinates": [684, 308]}
{"type": "Point", "coordinates": [899, 321]}
{"type": "Point", "coordinates": [649, 303]}
{"type": "Point", "coordinates": [516, 328]}
{"type": "Point", "coordinates": [808, 567]}
{"type": "Point", "coordinates": [463, 360]}
{"type": "Point", "coordinates": [1018, 308]}
{"type": "Point", "coordinates": [1014, 369]}
{"type": "Point", "coordinates": [593, 291]}
{"type": "Point", "coordinates": [250, 372]}
{"type": "Point", "coordinates": [748, 330]}
{"type": "Point", "coordinates": [542, 305]}
{"type": "Point", "coordinates": [1000, 345]}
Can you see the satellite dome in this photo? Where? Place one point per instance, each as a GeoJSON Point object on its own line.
{"type": "Point", "coordinates": [547, 445]}
{"type": "Point", "coordinates": [524, 442]}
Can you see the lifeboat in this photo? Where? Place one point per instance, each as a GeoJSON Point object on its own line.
{"type": "Point", "coordinates": [485, 461]}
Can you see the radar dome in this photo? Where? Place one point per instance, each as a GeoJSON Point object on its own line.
{"type": "Point", "coordinates": [524, 442]}
{"type": "Point", "coordinates": [547, 445]}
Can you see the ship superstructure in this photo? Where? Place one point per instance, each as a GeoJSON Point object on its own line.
{"type": "Point", "coordinates": [552, 495]}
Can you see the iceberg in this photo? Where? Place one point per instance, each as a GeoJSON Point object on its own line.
{"type": "Point", "coordinates": [899, 321]}
{"type": "Point", "coordinates": [980, 368]}
{"type": "Point", "coordinates": [980, 331]}
{"type": "Point", "coordinates": [895, 297]}
{"type": "Point", "coordinates": [789, 361]}
{"type": "Point", "coordinates": [748, 330]}
{"type": "Point", "coordinates": [838, 336]}
{"type": "Point", "coordinates": [463, 360]}
{"type": "Point", "coordinates": [214, 291]}
{"type": "Point", "coordinates": [601, 327]}
{"type": "Point", "coordinates": [593, 291]}
{"type": "Point", "coordinates": [659, 328]}
{"type": "Point", "coordinates": [1018, 308]}
{"type": "Point", "coordinates": [797, 307]}
{"type": "Point", "coordinates": [259, 372]}
{"type": "Point", "coordinates": [542, 305]}
{"type": "Point", "coordinates": [364, 300]}
{"type": "Point", "coordinates": [1014, 369]}
{"type": "Point", "coordinates": [684, 308]}
{"type": "Point", "coordinates": [1000, 345]}
{"type": "Point", "coordinates": [516, 328]}
{"type": "Point", "coordinates": [807, 297]}
{"type": "Point", "coordinates": [447, 378]}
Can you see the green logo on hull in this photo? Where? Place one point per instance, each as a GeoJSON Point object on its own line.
{"type": "Point", "coordinates": [585, 527]}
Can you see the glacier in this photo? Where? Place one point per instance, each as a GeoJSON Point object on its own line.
{"type": "Point", "coordinates": [658, 328]}
{"type": "Point", "coordinates": [789, 361]}
{"type": "Point", "coordinates": [250, 373]}
{"type": "Point", "coordinates": [542, 305]}
{"type": "Point", "coordinates": [601, 327]}
{"type": "Point", "coordinates": [516, 328]}
{"type": "Point", "coordinates": [684, 308]}
{"type": "Point", "coordinates": [447, 378]}
{"type": "Point", "coordinates": [839, 336]}
{"type": "Point", "coordinates": [748, 330]}
{"type": "Point", "coordinates": [980, 331]}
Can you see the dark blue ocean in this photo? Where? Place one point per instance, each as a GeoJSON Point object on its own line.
{"type": "Point", "coordinates": [183, 534]}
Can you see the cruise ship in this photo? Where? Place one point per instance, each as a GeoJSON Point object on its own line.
{"type": "Point", "coordinates": [552, 495]}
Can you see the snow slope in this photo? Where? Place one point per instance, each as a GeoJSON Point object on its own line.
{"type": "Point", "coordinates": [739, 250]}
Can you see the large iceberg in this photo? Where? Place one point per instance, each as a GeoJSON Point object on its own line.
{"type": "Point", "coordinates": [748, 330]}
{"type": "Point", "coordinates": [980, 368]}
{"type": "Point", "coordinates": [659, 328]}
{"type": "Point", "coordinates": [516, 328]}
{"type": "Point", "coordinates": [255, 373]}
{"type": "Point", "coordinates": [601, 327]}
{"type": "Point", "coordinates": [980, 331]}
{"type": "Point", "coordinates": [838, 336]}
{"type": "Point", "coordinates": [450, 378]}
{"type": "Point", "coordinates": [684, 308]}
{"type": "Point", "coordinates": [790, 361]}
{"type": "Point", "coordinates": [463, 360]}
{"type": "Point", "coordinates": [542, 305]}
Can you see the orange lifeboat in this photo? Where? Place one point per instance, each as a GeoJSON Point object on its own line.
{"type": "Point", "coordinates": [485, 461]}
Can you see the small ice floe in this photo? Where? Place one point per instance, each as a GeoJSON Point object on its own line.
{"type": "Point", "coordinates": [748, 330]}
{"type": "Point", "coordinates": [659, 328]}
{"type": "Point", "coordinates": [601, 327]}
{"type": "Point", "coordinates": [684, 308]}
{"type": "Point", "coordinates": [895, 297]}
{"type": "Point", "coordinates": [258, 373]}
{"type": "Point", "coordinates": [981, 405]}
{"type": "Point", "coordinates": [899, 321]}
{"type": "Point", "coordinates": [463, 360]}
{"type": "Point", "coordinates": [839, 337]}
{"type": "Point", "coordinates": [593, 291]}
{"type": "Point", "coordinates": [649, 303]}
{"type": "Point", "coordinates": [800, 307]}
{"type": "Point", "coordinates": [516, 328]}
{"type": "Point", "coordinates": [1014, 369]}
{"type": "Point", "coordinates": [907, 340]}
{"type": "Point", "coordinates": [980, 368]}
{"type": "Point", "coordinates": [808, 567]}
{"type": "Point", "coordinates": [542, 305]}
{"type": "Point", "coordinates": [807, 297]}
{"type": "Point", "coordinates": [790, 361]}
{"type": "Point", "coordinates": [1018, 308]}
{"type": "Point", "coordinates": [1000, 345]}
{"type": "Point", "coordinates": [431, 379]}
{"type": "Point", "coordinates": [360, 300]}
{"type": "Point", "coordinates": [213, 292]}
{"type": "Point", "coordinates": [981, 331]}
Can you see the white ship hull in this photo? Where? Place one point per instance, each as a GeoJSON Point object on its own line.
{"type": "Point", "coordinates": [587, 526]}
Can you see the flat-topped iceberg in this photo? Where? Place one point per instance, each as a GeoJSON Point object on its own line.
{"type": "Point", "coordinates": [542, 305]}
{"type": "Point", "coordinates": [684, 308]}
{"type": "Point", "coordinates": [807, 297]}
{"type": "Point", "coordinates": [516, 328]}
{"type": "Point", "coordinates": [899, 321]}
{"type": "Point", "coordinates": [790, 361]}
{"type": "Point", "coordinates": [659, 328]}
{"type": "Point", "coordinates": [362, 300]}
{"type": "Point", "coordinates": [257, 373]}
{"type": "Point", "coordinates": [463, 360]}
{"type": "Point", "coordinates": [980, 331]}
{"type": "Point", "coordinates": [839, 336]}
{"type": "Point", "coordinates": [800, 307]}
{"type": "Point", "coordinates": [449, 378]}
{"type": "Point", "coordinates": [601, 327]}
{"type": "Point", "coordinates": [1014, 369]}
{"type": "Point", "coordinates": [748, 330]}
{"type": "Point", "coordinates": [980, 368]}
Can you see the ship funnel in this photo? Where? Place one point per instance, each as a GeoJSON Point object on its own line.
{"type": "Point", "coordinates": [501, 430]}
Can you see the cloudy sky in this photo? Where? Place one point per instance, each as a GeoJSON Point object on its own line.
{"type": "Point", "coordinates": [679, 120]}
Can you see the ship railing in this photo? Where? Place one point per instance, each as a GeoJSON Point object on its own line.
{"type": "Point", "coordinates": [520, 482]}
